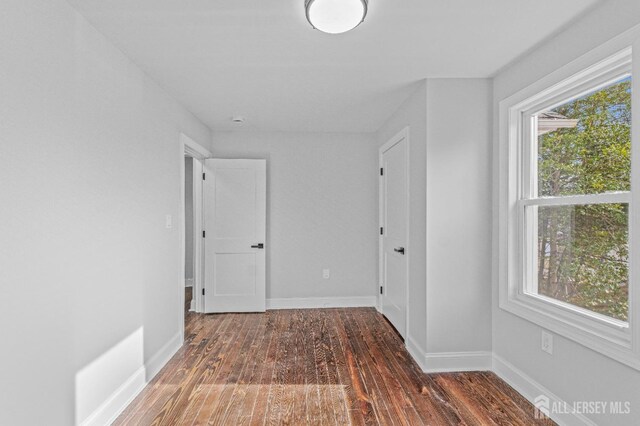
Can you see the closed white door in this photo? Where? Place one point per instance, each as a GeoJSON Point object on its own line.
{"type": "Point", "coordinates": [235, 233]}
{"type": "Point", "coordinates": [394, 229]}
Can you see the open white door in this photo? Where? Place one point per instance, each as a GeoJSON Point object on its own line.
{"type": "Point", "coordinates": [235, 234]}
{"type": "Point", "coordinates": [394, 230]}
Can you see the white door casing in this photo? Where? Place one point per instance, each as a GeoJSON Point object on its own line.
{"type": "Point", "coordinates": [235, 234]}
{"type": "Point", "coordinates": [190, 148]}
{"type": "Point", "coordinates": [394, 223]}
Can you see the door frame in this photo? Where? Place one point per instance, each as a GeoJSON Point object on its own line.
{"type": "Point", "coordinates": [190, 148]}
{"type": "Point", "coordinates": [402, 134]}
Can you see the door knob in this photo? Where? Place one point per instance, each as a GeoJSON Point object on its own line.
{"type": "Point", "coordinates": [399, 250]}
{"type": "Point", "coordinates": [258, 246]}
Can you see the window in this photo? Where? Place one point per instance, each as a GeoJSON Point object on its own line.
{"type": "Point", "coordinates": [566, 262]}
{"type": "Point", "coordinates": [576, 208]}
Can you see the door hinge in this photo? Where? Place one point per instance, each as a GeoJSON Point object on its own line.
{"type": "Point", "coordinates": [381, 230]}
{"type": "Point", "coordinates": [203, 291]}
{"type": "Point", "coordinates": [204, 176]}
{"type": "Point", "coordinates": [204, 234]}
{"type": "Point", "coordinates": [381, 290]}
{"type": "Point", "coordinates": [381, 171]}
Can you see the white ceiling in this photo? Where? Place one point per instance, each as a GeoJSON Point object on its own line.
{"type": "Point", "coordinates": [261, 59]}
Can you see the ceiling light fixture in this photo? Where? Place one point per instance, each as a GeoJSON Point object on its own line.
{"type": "Point", "coordinates": [335, 16]}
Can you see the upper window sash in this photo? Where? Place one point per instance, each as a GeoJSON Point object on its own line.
{"type": "Point", "coordinates": [590, 80]}
{"type": "Point", "coordinates": [528, 188]}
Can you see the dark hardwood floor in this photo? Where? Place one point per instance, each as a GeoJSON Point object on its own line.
{"type": "Point", "coordinates": [188, 295]}
{"type": "Point", "coordinates": [320, 367]}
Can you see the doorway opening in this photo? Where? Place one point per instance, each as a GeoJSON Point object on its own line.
{"type": "Point", "coordinates": [189, 246]}
{"type": "Point", "coordinates": [192, 156]}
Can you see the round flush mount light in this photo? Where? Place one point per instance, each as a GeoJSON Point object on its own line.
{"type": "Point", "coordinates": [335, 16]}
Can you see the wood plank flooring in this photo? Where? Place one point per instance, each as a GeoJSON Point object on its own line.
{"type": "Point", "coordinates": [314, 367]}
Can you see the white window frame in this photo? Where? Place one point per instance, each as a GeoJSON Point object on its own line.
{"type": "Point", "coordinates": [517, 179]}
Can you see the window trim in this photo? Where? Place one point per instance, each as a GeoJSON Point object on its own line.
{"type": "Point", "coordinates": [597, 69]}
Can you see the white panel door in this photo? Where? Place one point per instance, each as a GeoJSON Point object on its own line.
{"type": "Point", "coordinates": [235, 226]}
{"type": "Point", "coordinates": [394, 223]}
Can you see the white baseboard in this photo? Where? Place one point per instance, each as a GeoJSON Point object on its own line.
{"type": "Point", "coordinates": [109, 411]}
{"type": "Point", "coordinates": [156, 362]}
{"type": "Point", "coordinates": [531, 389]}
{"type": "Point", "coordinates": [448, 362]}
{"type": "Point", "coordinates": [192, 307]}
{"type": "Point", "coordinates": [416, 352]}
{"type": "Point", "coordinates": [445, 362]}
{"type": "Point", "coordinates": [322, 302]}
{"type": "Point", "coordinates": [188, 282]}
{"type": "Point", "coordinates": [487, 361]}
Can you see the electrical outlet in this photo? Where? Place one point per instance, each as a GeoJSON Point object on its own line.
{"type": "Point", "coordinates": [547, 342]}
{"type": "Point", "coordinates": [326, 274]}
{"type": "Point", "coordinates": [168, 221]}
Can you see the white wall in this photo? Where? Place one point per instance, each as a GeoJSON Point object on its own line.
{"type": "Point", "coordinates": [458, 216]}
{"type": "Point", "coordinates": [89, 165]}
{"type": "Point", "coordinates": [321, 210]}
{"type": "Point", "coordinates": [188, 218]}
{"type": "Point", "coordinates": [450, 237]}
{"type": "Point", "coordinates": [413, 113]}
{"type": "Point", "coordinates": [573, 373]}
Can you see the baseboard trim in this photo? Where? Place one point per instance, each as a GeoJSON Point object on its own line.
{"type": "Point", "coordinates": [160, 359]}
{"type": "Point", "coordinates": [322, 302]}
{"type": "Point", "coordinates": [450, 362]}
{"type": "Point", "coordinates": [109, 410]}
{"type": "Point", "coordinates": [192, 306]}
{"type": "Point", "coordinates": [416, 352]}
{"type": "Point", "coordinates": [446, 362]}
{"type": "Point", "coordinates": [531, 389]}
